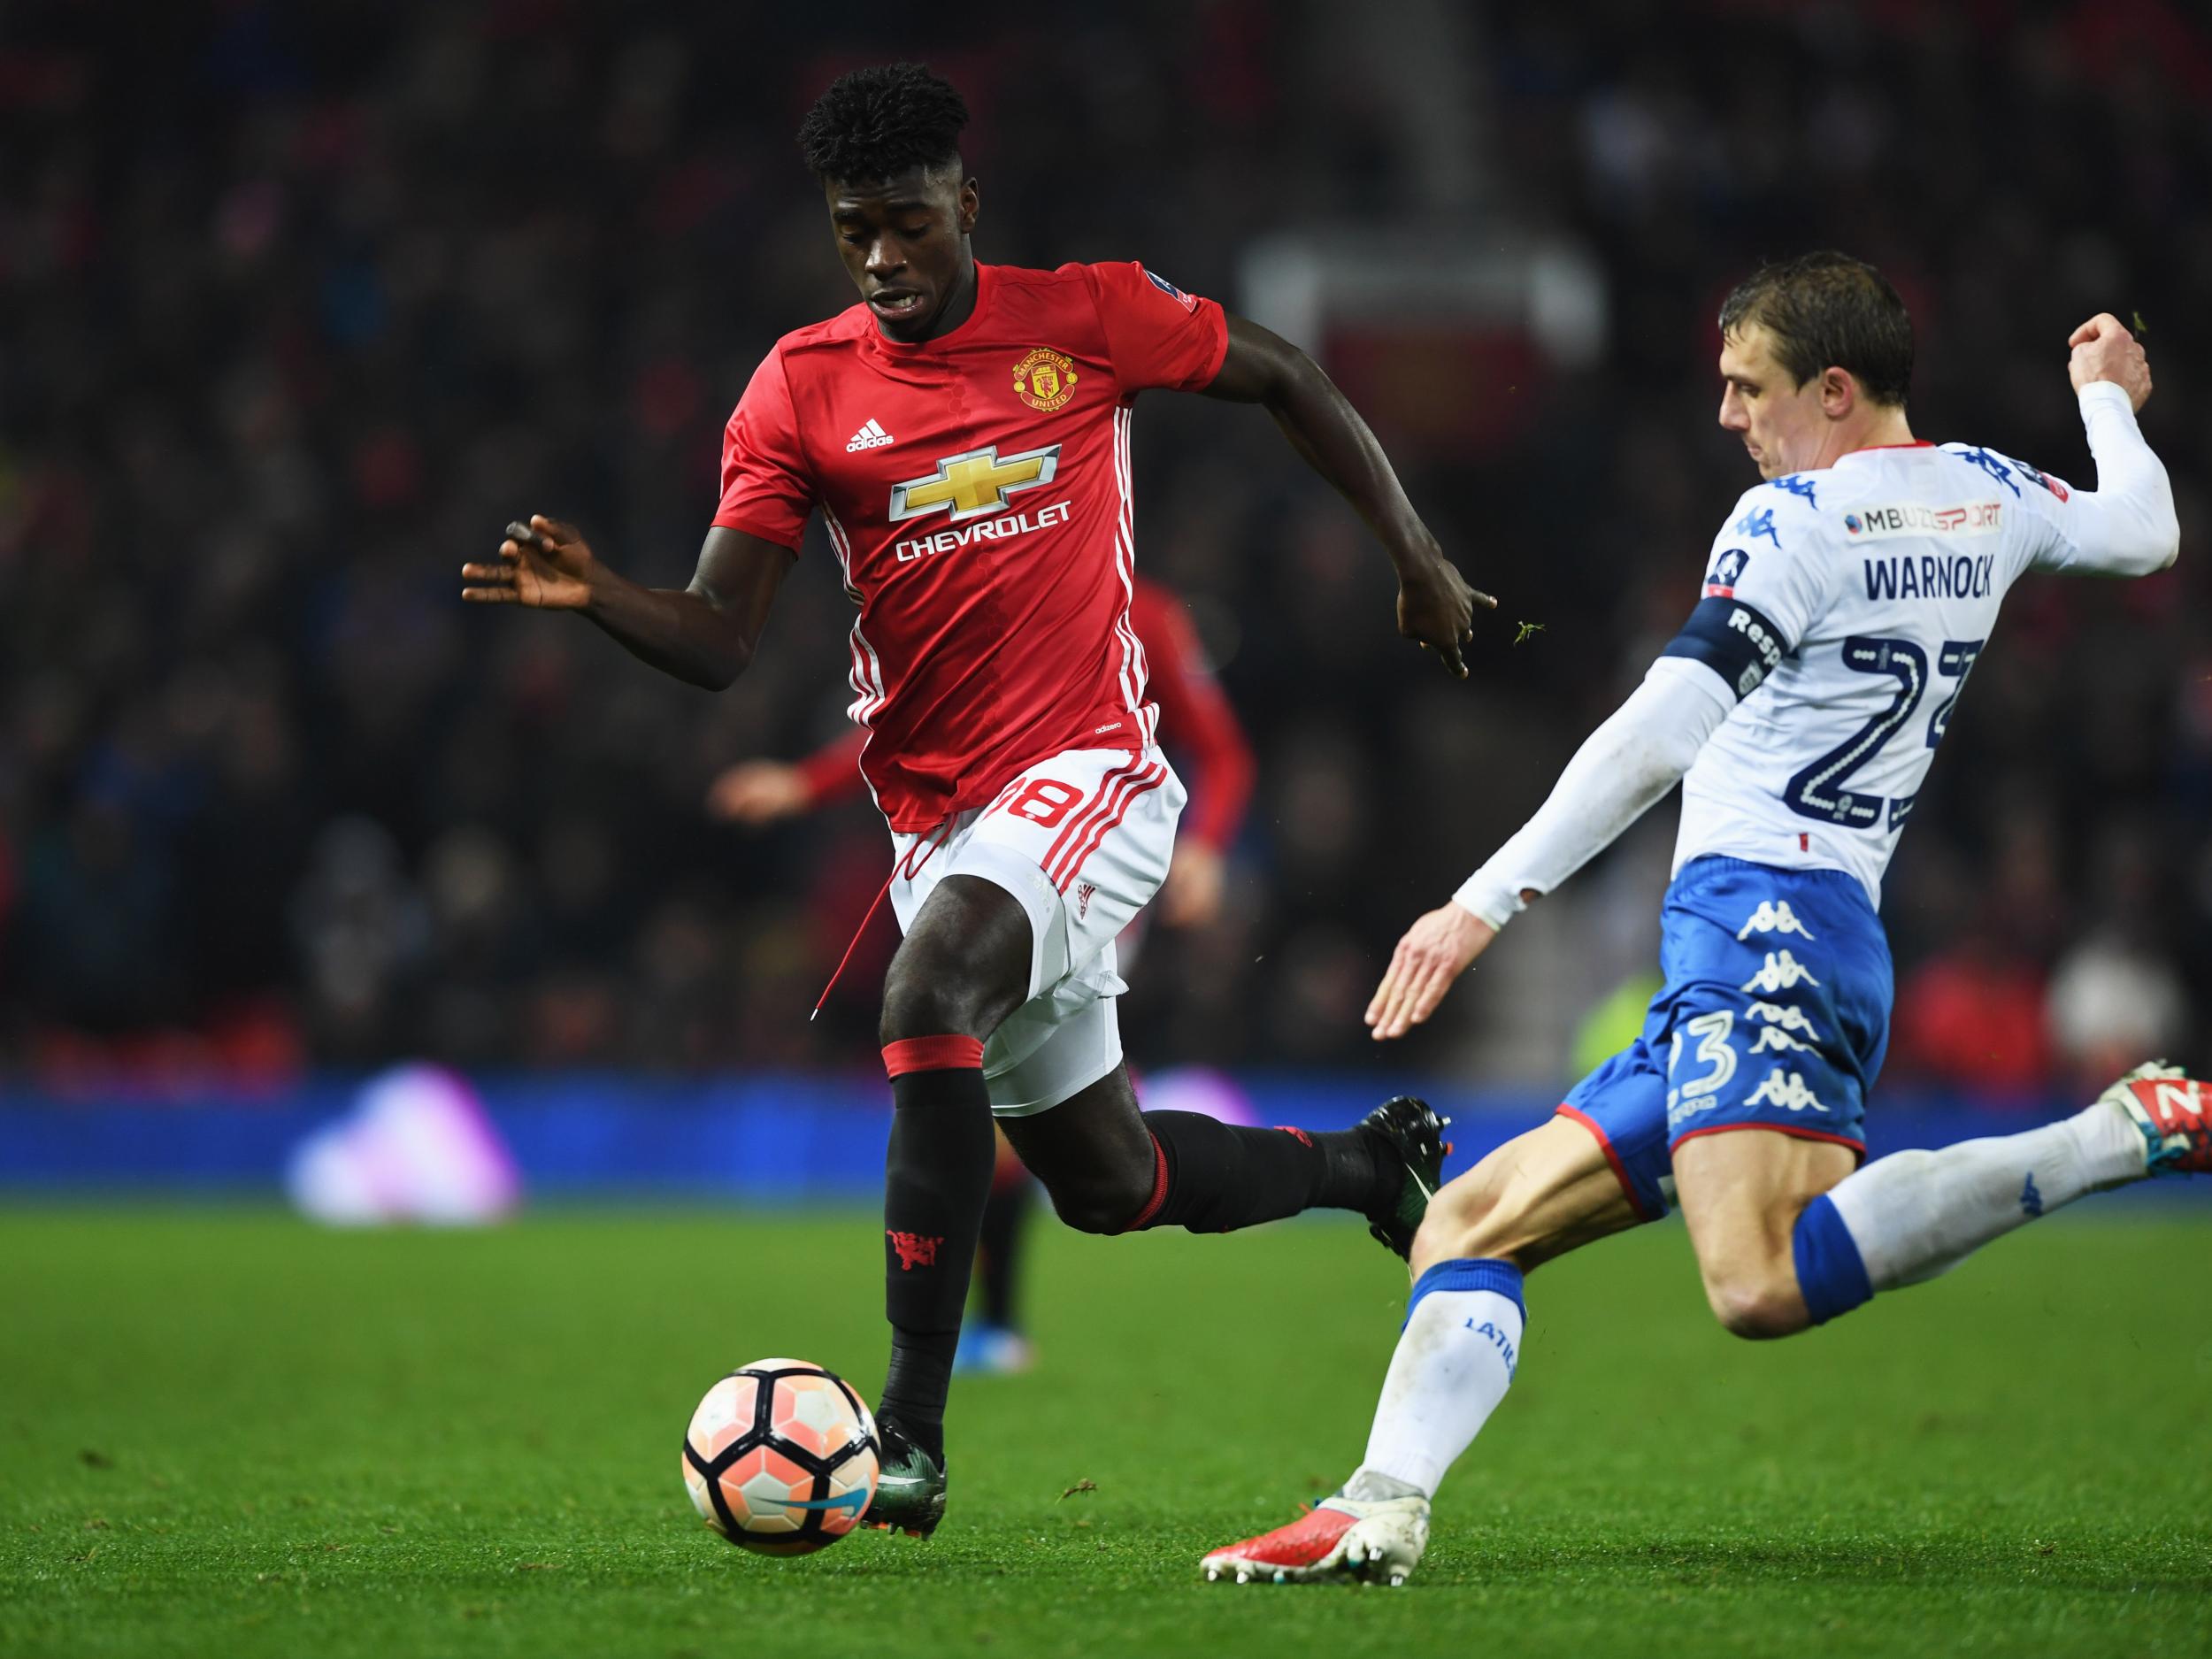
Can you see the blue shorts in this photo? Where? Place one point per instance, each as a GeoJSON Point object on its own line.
{"type": "Point", "coordinates": [1775, 1014]}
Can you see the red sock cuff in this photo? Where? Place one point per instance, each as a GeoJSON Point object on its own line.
{"type": "Point", "coordinates": [932, 1054]}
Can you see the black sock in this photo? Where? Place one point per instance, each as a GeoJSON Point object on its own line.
{"type": "Point", "coordinates": [936, 1177]}
{"type": "Point", "coordinates": [1218, 1177]}
{"type": "Point", "coordinates": [997, 1260]}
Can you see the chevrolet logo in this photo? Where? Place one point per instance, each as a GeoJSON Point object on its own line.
{"type": "Point", "coordinates": [973, 484]}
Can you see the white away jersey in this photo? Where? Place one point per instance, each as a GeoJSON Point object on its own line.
{"type": "Point", "coordinates": [1844, 609]}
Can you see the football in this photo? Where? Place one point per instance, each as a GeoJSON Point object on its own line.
{"type": "Point", "coordinates": [781, 1457]}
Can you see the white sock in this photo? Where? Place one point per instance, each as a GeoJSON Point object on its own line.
{"type": "Point", "coordinates": [1914, 1215]}
{"type": "Point", "coordinates": [1455, 1361]}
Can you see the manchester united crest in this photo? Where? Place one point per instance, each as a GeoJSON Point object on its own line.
{"type": "Point", "coordinates": [1044, 379]}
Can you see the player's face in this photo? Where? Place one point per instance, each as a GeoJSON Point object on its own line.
{"type": "Point", "coordinates": [904, 241]}
{"type": "Point", "coordinates": [1781, 423]}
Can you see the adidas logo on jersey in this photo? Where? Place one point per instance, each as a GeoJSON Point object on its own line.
{"type": "Point", "coordinates": [871, 436]}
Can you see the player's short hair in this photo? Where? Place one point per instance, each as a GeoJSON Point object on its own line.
{"type": "Point", "coordinates": [879, 122]}
{"type": "Point", "coordinates": [1829, 311]}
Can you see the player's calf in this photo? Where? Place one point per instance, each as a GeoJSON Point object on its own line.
{"type": "Point", "coordinates": [1104, 1200]}
{"type": "Point", "coordinates": [1536, 1197]}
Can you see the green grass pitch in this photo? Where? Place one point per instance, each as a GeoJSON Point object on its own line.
{"type": "Point", "coordinates": [227, 1433]}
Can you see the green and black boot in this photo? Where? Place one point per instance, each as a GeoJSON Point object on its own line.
{"type": "Point", "coordinates": [1414, 1135]}
{"type": "Point", "coordinates": [910, 1486]}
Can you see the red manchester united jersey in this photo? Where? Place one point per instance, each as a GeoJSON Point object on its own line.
{"type": "Point", "coordinates": [977, 490]}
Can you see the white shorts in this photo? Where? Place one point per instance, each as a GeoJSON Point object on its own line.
{"type": "Point", "coordinates": [1082, 840]}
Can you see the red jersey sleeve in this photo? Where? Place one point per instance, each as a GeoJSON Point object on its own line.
{"type": "Point", "coordinates": [1196, 718]}
{"type": "Point", "coordinates": [765, 489]}
{"type": "Point", "coordinates": [1158, 334]}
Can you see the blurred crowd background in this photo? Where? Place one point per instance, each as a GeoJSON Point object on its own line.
{"type": "Point", "coordinates": [300, 303]}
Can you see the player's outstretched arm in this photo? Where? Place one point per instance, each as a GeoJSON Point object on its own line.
{"type": "Point", "coordinates": [1435, 605]}
{"type": "Point", "coordinates": [1622, 769]}
{"type": "Point", "coordinates": [703, 634]}
{"type": "Point", "coordinates": [2127, 528]}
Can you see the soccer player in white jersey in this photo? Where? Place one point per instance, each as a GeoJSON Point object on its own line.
{"type": "Point", "coordinates": [1844, 604]}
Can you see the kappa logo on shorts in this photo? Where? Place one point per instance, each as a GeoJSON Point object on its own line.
{"type": "Point", "coordinates": [1782, 972]}
{"type": "Point", "coordinates": [1786, 1090]}
{"type": "Point", "coordinates": [1083, 892]}
{"type": "Point", "coordinates": [1772, 1039]}
{"type": "Point", "coordinates": [1787, 1019]}
{"type": "Point", "coordinates": [1774, 916]}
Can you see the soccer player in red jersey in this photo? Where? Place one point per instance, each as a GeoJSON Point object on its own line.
{"type": "Point", "coordinates": [1210, 749]}
{"type": "Point", "coordinates": [964, 432]}
{"type": "Point", "coordinates": [1201, 728]}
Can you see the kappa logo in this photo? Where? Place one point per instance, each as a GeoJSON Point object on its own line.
{"type": "Point", "coordinates": [1782, 972]}
{"type": "Point", "coordinates": [916, 1249]}
{"type": "Point", "coordinates": [1759, 521]}
{"type": "Point", "coordinates": [2030, 1201]}
{"type": "Point", "coordinates": [1786, 1090]}
{"type": "Point", "coordinates": [1787, 1019]}
{"type": "Point", "coordinates": [1773, 915]}
{"type": "Point", "coordinates": [1773, 1038]}
{"type": "Point", "coordinates": [1728, 570]}
{"type": "Point", "coordinates": [1797, 484]}
{"type": "Point", "coordinates": [1990, 464]}
{"type": "Point", "coordinates": [974, 483]}
{"type": "Point", "coordinates": [1083, 891]}
{"type": "Point", "coordinates": [871, 436]}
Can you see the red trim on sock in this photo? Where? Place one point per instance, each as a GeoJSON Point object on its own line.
{"type": "Point", "coordinates": [932, 1054]}
{"type": "Point", "coordinates": [1858, 1147]}
{"type": "Point", "coordinates": [1605, 1145]}
{"type": "Point", "coordinates": [1143, 1217]}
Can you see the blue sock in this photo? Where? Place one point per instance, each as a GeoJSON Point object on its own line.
{"type": "Point", "coordinates": [1830, 1273]}
{"type": "Point", "coordinates": [1473, 1272]}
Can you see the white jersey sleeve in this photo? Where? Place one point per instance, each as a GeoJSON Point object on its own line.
{"type": "Point", "coordinates": [1839, 618]}
{"type": "Point", "coordinates": [2125, 527]}
{"type": "Point", "coordinates": [1768, 580]}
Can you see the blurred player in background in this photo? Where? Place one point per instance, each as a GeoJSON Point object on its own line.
{"type": "Point", "coordinates": [964, 432]}
{"type": "Point", "coordinates": [1845, 602]}
{"type": "Point", "coordinates": [1212, 751]}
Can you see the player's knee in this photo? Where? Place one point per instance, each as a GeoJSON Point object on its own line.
{"type": "Point", "coordinates": [930, 994]}
{"type": "Point", "coordinates": [1756, 1304]}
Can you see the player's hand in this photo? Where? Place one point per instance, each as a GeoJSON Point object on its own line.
{"type": "Point", "coordinates": [541, 563]}
{"type": "Point", "coordinates": [1436, 951]}
{"type": "Point", "coordinates": [1436, 607]}
{"type": "Point", "coordinates": [2104, 351]}
{"type": "Point", "coordinates": [1191, 897]}
{"type": "Point", "coordinates": [757, 792]}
